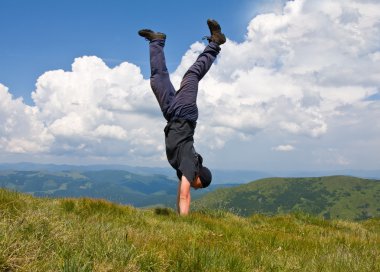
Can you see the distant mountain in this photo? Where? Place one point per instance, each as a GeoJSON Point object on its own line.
{"type": "Point", "coordinates": [28, 166]}
{"type": "Point", "coordinates": [342, 197]}
{"type": "Point", "coordinates": [367, 174]}
{"type": "Point", "coordinates": [114, 185]}
{"type": "Point", "coordinates": [220, 176]}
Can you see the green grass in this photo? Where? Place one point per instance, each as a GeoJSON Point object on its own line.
{"type": "Point", "coordinates": [40, 234]}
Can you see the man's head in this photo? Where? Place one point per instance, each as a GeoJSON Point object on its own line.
{"type": "Point", "coordinates": [203, 179]}
{"type": "Point", "coordinates": [205, 176]}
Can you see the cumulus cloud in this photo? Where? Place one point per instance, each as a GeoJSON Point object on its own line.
{"type": "Point", "coordinates": [21, 131]}
{"type": "Point", "coordinates": [296, 72]}
{"type": "Point", "coordinates": [296, 68]}
{"type": "Point", "coordinates": [97, 110]}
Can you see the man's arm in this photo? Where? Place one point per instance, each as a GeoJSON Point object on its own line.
{"type": "Point", "coordinates": [183, 197]}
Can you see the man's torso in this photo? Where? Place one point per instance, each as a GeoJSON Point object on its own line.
{"type": "Point", "coordinates": [180, 152]}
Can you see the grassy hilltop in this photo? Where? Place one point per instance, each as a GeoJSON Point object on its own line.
{"type": "Point", "coordinates": [43, 234]}
{"type": "Point", "coordinates": [334, 197]}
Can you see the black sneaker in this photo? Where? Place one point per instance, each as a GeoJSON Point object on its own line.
{"type": "Point", "coordinates": [150, 35]}
{"type": "Point", "coordinates": [216, 32]}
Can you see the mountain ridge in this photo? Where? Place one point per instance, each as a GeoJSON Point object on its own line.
{"type": "Point", "coordinates": [330, 197]}
{"type": "Point", "coordinates": [220, 175]}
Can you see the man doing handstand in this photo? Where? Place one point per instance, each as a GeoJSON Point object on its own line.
{"type": "Point", "coordinates": [181, 112]}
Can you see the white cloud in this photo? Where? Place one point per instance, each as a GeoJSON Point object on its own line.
{"type": "Point", "coordinates": [93, 108]}
{"type": "Point", "coordinates": [296, 68]}
{"type": "Point", "coordinates": [297, 72]}
{"type": "Point", "coordinates": [111, 131]}
{"type": "Point", "coordinates": [21, 131]}
{"type": "Point", "coordinates": [283, 148]}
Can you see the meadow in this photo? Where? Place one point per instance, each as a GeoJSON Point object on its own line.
{"type": "Point", "coordinates": [47, 234]}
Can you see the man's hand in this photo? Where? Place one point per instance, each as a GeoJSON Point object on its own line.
{"type": "Point", "coordinates": [183, 196]}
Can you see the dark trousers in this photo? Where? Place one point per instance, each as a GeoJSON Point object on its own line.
{"type": "Point", "coordinates": [180, 104]}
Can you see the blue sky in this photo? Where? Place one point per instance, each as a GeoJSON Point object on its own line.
{"type": "Point", "coordinates": [45, 35]}
{"type": "Point", "coordinates": [295, 87]}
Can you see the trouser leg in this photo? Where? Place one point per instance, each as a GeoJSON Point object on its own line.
{"type": "Point", "coordinates": [187, 94]}
{"type": "Point", "coordinates": [159, 80]}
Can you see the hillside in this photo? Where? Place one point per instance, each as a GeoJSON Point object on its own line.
{"type": "Point", "coordinates": [119, 186]}
{"type": "Point", "coordinates": [331, 197]}
{"type": "Point", "coordinates": [41, 234]}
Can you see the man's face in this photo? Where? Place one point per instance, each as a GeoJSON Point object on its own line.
{"type": "Point", "coordinates": [197, 184]}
